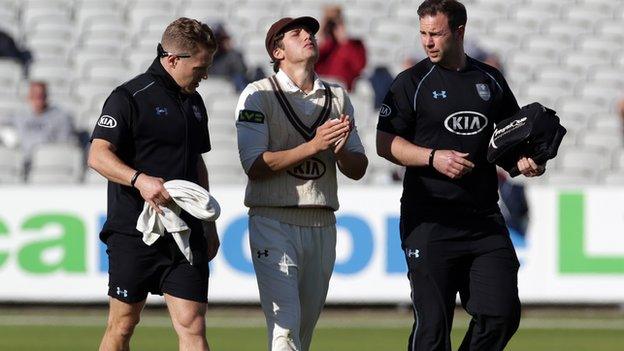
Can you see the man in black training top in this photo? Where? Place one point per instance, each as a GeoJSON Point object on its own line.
{"type": "Point", "coordinates": [437, 120]}
{"type": "Point", "coordinates": [153, 129]}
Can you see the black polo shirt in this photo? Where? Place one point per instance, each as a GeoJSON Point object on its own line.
{"type": "Point", "coordinates": [438, 108]}
{"type": "Point", "coordinates": [156, 129]}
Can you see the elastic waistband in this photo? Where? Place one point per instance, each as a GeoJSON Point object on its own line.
{"type": "Point", "coordinates": [303, 216]}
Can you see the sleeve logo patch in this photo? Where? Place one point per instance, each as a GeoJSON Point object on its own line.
{"type": "Point", "coordinates": [385, 111]}
{"type": "Point", "coordinates": [107, 121]}
{"type": "Point", "coordinates": [250, 116]}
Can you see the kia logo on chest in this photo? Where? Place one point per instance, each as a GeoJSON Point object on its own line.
{"type": "Point", "coordinates": [465, 122]}
{"type": "Point", "coordinates": [312, 168]}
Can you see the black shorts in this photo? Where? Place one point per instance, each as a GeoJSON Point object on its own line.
{"type": "Point", "coordinates": [136, 269]}
{"type": "Point", "coordinates": [472, 256]}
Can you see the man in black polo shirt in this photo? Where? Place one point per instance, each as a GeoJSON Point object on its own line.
{"type": "Point", "coordinates": [437, 120]}
{"type": "Point", "coordinates": [154, 128]}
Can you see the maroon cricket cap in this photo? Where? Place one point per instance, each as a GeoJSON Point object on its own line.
{"type": "Point", "coordinates": [285, 24]}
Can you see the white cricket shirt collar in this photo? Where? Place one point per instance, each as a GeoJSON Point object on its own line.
{"type": "Point", "coordinates": [289, 86]}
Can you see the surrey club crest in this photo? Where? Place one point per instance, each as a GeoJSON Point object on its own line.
{"type": "Point", "coordinates": [484, 91]}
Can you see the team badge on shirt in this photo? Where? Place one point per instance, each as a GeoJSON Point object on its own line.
{"type": "Point", "coordinates": [484, 91]}
{"type": "Point", "coordinates": [197, 113]}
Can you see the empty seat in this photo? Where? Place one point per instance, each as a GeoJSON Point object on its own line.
{"type": "Point", "coordinates": [600, 46]}
{"type": "Point", "coordinates": [395, 32]}
{"type": "Point", "coordinates": [531, 59]}
{"type": "Point", "coordinates": [10, 74]}
{"type": "Point", "coordinates": [536, 14]}
{"type": "Point", "coordinates": [610, 28]}
{"type": "Point", "coordinates": [570, 29]}
{"type": "Point", "coordinates": [11, 166]}
{"type": "Point", "coordinates": [513, 29]}
{"type": "Point", "coordinates": [54, 163]}
{"type": "Point", "coordinates": [590, 13]}
{"type": "Point", "coordinates": [552, 45]}
{"type": "Point", "coordinates": [607, 122]}
{"type": "Point", "coordinates": [109, 72]}
{"type": "Point", "coordinates": [141, 10]}
{"type": "Point", "coordinates": [226, 103]}
{"type": "Point", "coordinates": [571, 179]}
{"type": "Point", "coordinates": [588, 160]}
{"type": "Point", "coordinates": [608, 75]}
{"type": "Point", "coordinates": [599, 92]}
{"type": "Point", "coordinates": [585, 60]}
{"type": "Point", "coordinates": [580, 106]}
{"type": "Point", "coordinates": [215, 86]}
{"type": "Point", "coordinates": [618, 160]}
{"type": "Point", "coordinates": [603, 139]}
{"type": "Point", "coordinates": [616, 178]}
{"type": "Point", "coordinates": [546, 92]}
{"type": "Point", "coordinates": [556, 74]}
{"type": "Point", "coordinates": [54, 73]}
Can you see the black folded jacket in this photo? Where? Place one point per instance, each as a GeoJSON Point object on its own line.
{"type": "Point", "coordinates": [533, 132]}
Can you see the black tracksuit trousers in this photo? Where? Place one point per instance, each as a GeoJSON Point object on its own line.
{"type": "Point", "coordinates": [472, 255]}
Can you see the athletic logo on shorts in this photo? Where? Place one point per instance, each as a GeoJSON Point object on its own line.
{"type": "Point", "coordinates": [107, 121]}
{"type": "Point", "coordinates": [264, 253]}
{"type": "Point", "coordinates": [412, 253]}
{"type": "Point", "coordinates": [484, 91]}
{"type": "Point", "coordinates": [122, 292]}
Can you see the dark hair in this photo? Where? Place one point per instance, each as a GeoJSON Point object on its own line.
{"type": "Point", "coordinates": [453, 9]}
{"type": "Point", "coordinates": [278, 44]}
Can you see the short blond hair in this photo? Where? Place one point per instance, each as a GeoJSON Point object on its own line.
{"type": "Point", "coordinates": [187, 35]}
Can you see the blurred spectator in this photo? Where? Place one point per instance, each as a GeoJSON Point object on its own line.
{"type": "Point", "coordinates": [381, 80]}
{"type": "Point", "coordinates": [478, 53]}
{"type": "Point", "coordinates": [513, 203]}
{"type": "Point", "coordinates": [41, 123]}
{"type": "Point", "coordinates": [8, 49]}
{"type": "Point", "coordinates": [228, 62]}
{"type": "Point", "coordinates": [340, 57]}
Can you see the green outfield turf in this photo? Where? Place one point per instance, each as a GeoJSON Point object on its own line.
{"type": "Point", "coordinates": [242, 330]}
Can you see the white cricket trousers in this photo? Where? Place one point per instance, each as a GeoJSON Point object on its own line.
{"type": "Point", "coordinates": [293, 266]}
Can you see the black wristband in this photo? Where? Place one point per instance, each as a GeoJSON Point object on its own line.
{"type": "Point", "coordinates": [135, 177]}
{"type": "Point", "coordinates": [431, 157]}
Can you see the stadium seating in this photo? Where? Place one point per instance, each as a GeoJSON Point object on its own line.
{"type": "Point", "coordinates": [56, 164]}
{"type": "Point", "coordinates": [11, 166]}
{"type": "Point", "coordinates": [568, 55]}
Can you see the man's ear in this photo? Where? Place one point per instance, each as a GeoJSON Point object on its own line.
{"type": "Point", "coordinates": [460, 31]}
{"type": "Point", "coordinates": [278, 53]}
{"type": "Point", "coordinates": [170, 61]}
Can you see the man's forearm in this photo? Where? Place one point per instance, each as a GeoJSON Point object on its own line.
{"type": "Point", "coordinates": [352, 164]}
{"type": "Point", "coordinates": [400, 151]}
{"type": "Point", "coordinates": [202, 174]}
{"type": "Point", "coordinates": [103, 160]}
{"type": "Point", "coordinates": [272, 162]}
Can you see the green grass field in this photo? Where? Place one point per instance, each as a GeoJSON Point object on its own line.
{"type": "Point", "coordinates": [338, 330]}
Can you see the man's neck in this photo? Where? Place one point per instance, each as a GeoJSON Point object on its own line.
{"type": "Point", "coordinates": [302, 75]}
{"type": "Point", "coordinates": [457, 63]}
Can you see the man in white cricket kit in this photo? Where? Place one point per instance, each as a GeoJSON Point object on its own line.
{"type": "Point", "coordinates": [293, 129]}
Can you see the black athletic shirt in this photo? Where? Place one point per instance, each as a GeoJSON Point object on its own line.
{"type": "Point", "coordinates": [442, 109]}
{"type": "Point", "coordinates": [156, 129]}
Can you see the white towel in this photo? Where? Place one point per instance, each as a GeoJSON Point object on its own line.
{"type": "Point", "coordinates": [188, 196]}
